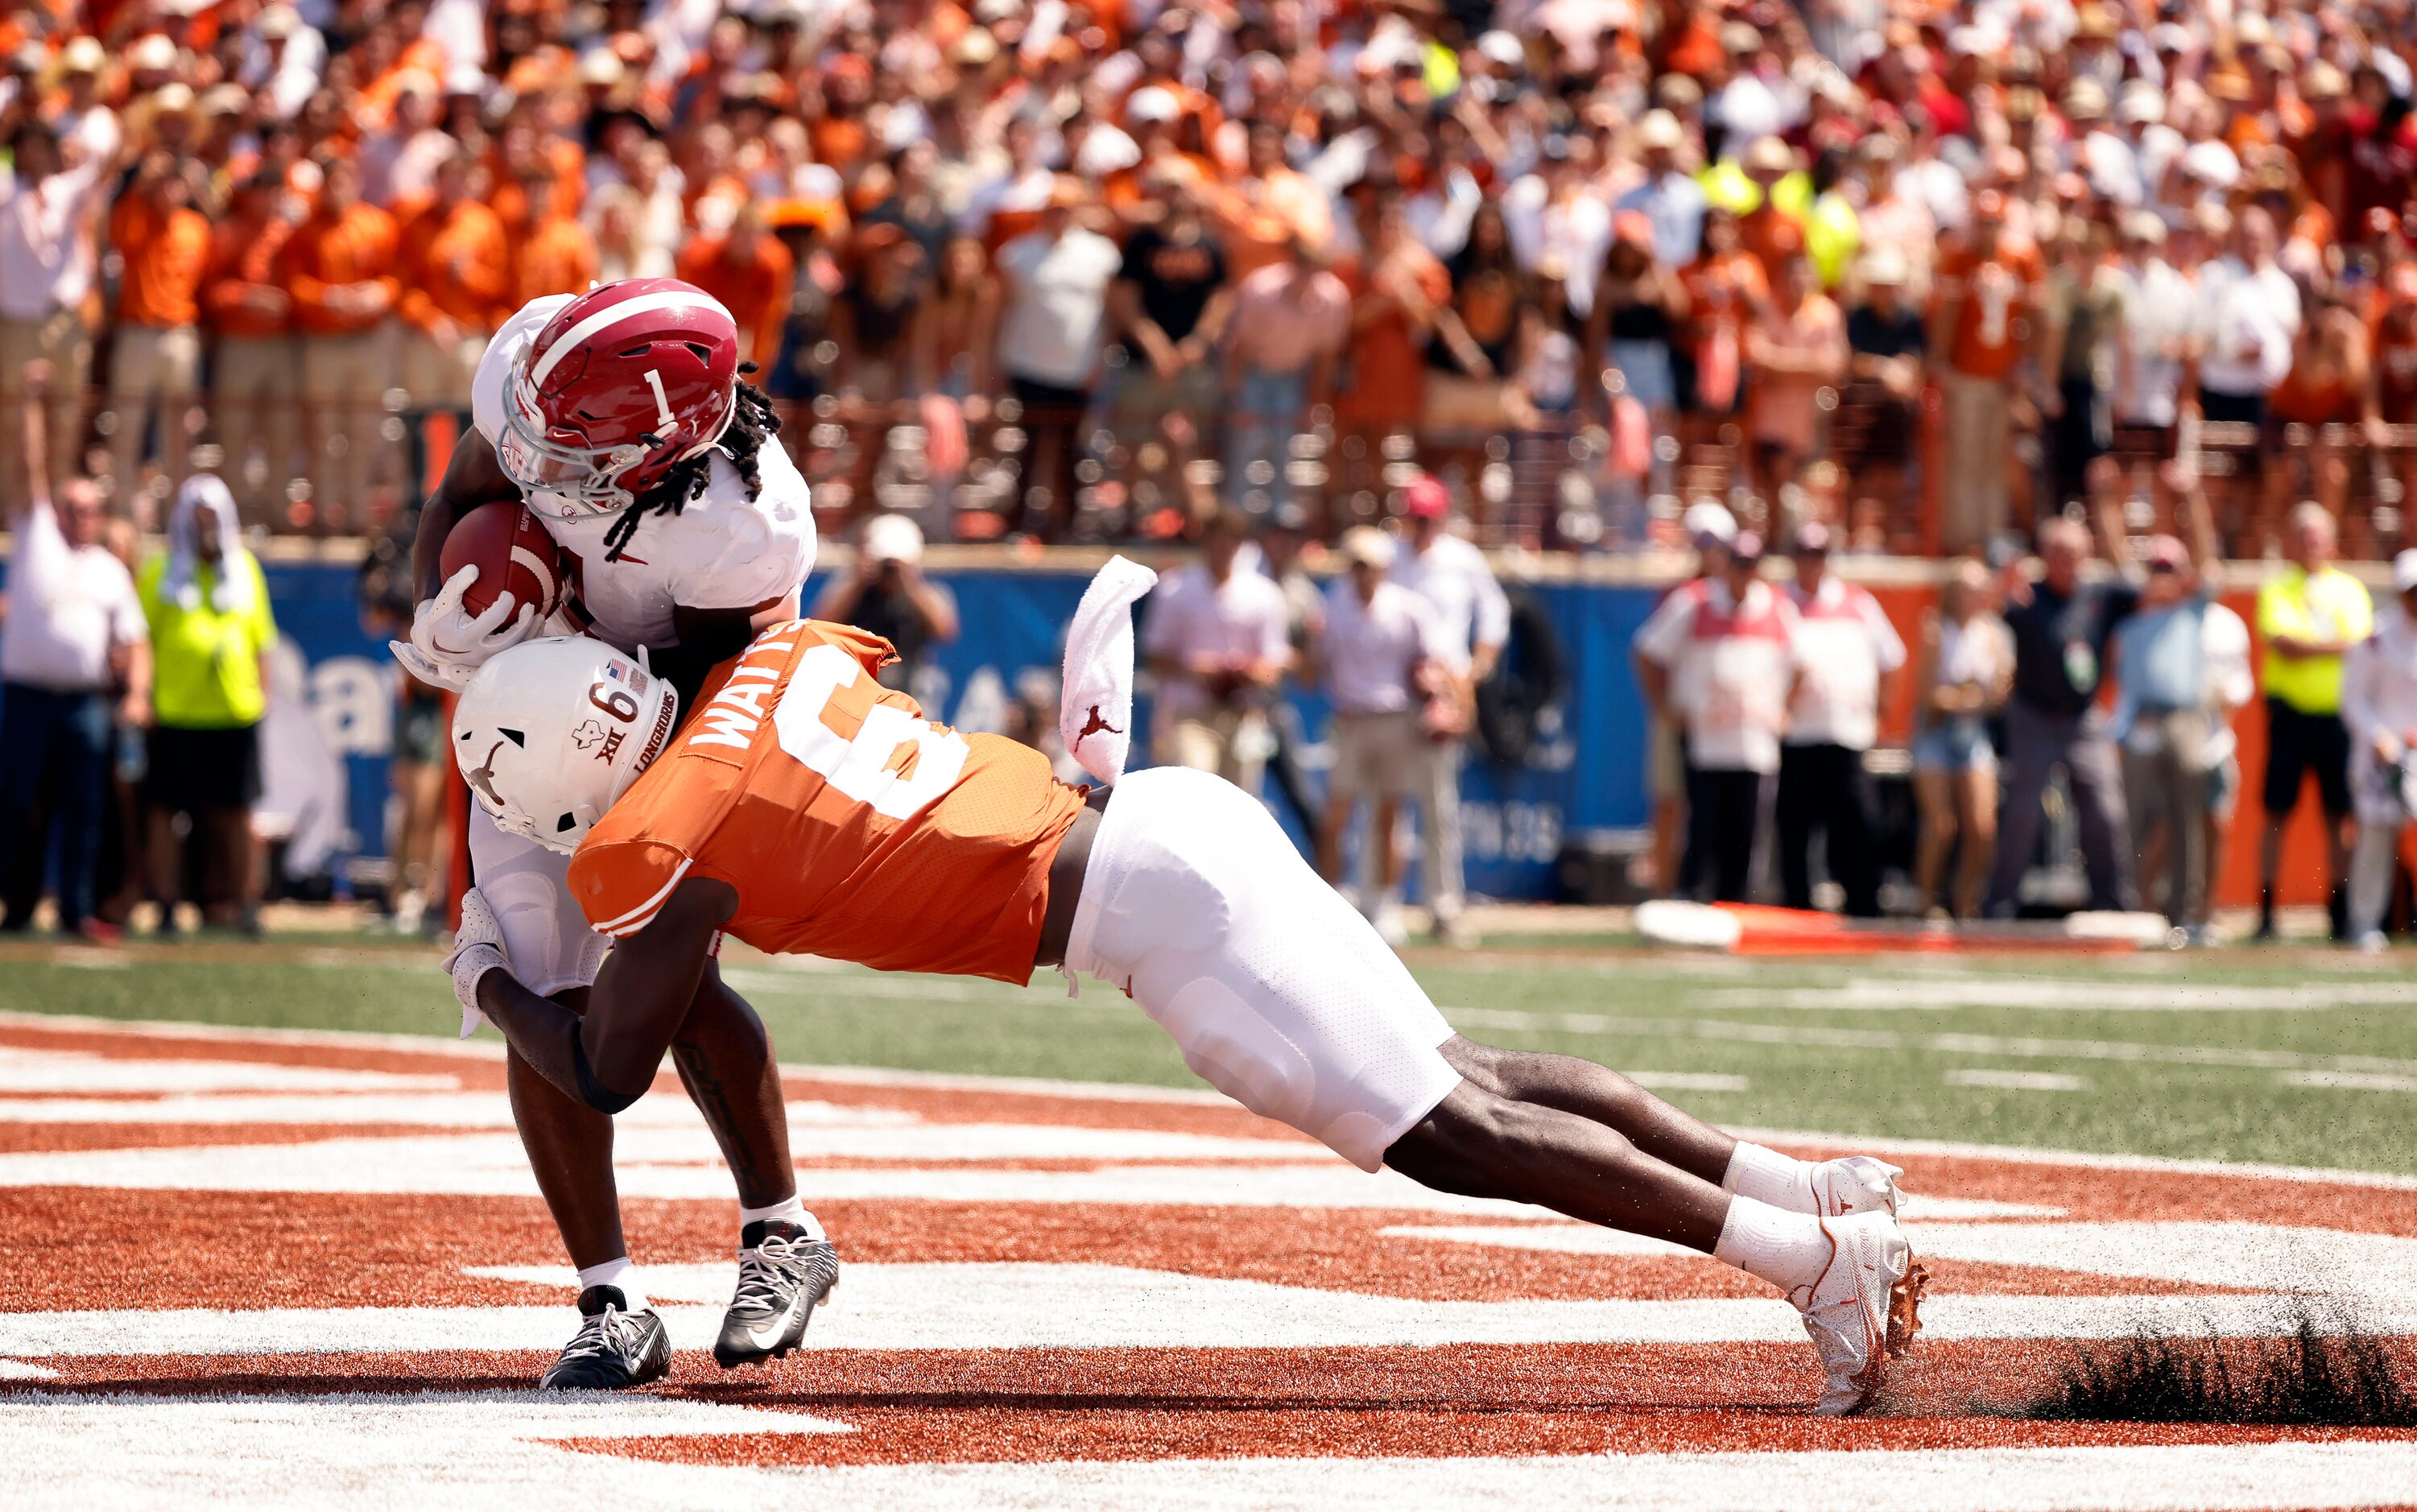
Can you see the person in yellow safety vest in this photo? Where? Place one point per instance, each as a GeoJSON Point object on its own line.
{"type": "Point", "coordinates": [2308, 615]}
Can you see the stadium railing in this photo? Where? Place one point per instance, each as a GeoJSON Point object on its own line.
{"type": "Point", "coordinates": [1550, 483]}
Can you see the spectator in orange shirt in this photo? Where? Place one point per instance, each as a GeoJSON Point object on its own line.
{"type": "Point", "coordinates": [456, 274]}
{"type": "Point", "coordinates": [339, 269]}
{"type": "Point", "coordinates": [1989, 296]}
{"type": "Point", "coordinates": [1794, 351]}
{"type": "Point", "coordinates": [1272, 204]}
{"type": "Point", "coordinates": [522, 153]}
{"type": "Point", "coordinates": [155, 367]}
{"type": "Point", "coordinates": [749, 271]}
{"type": "Point", "coordinates": [1725, 290]}
{"type": "Point", "coordinates": [251, 357]}
{"type": "Point", "coordinates": [556, 254]}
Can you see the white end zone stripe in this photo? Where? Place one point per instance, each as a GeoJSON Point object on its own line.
{"type": "Point", "coordinates": [638, 917]}
{"type": "Point", "coordinates": [2144, 1478]}
{"type": "Point", "coordinates": [604, 320]}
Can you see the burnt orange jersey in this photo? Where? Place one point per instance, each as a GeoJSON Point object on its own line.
{"type": "Point", "coordinates": [851, 826]}
{"type": "Point", "coordinates": [1995, 298]}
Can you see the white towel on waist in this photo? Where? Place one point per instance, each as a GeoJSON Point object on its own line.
{"type": "Point", "coordinates": [1095, 712]}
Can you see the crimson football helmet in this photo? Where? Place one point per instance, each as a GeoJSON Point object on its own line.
{"type": "Point", "coordinates": [624, 382]}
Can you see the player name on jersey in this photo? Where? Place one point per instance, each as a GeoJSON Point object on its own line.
{"type": "Point", "coordinates": [731, 718]}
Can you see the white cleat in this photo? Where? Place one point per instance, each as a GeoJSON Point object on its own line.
{"type": "Point", "coordinates": [1864, 1309]}
{"type": "Point", "coordinates": [1856, 1183]}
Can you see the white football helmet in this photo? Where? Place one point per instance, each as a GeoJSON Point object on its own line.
{"type": "Point", "coordinates": [549, 733]}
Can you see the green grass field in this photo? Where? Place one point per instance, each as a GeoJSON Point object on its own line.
{"type": "Point", "coordinates": [2303, 1057]}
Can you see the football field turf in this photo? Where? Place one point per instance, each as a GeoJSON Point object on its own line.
{"type": "Point", "coordinates": [266, 1238]}
{"type": "Point", "coordinates": [2303, 1057]}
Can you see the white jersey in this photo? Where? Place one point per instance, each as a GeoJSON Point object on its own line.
{"type": "Point", "coordinates": [1730, 667]}
{"type": "Point", "coordinates": [2379, 697]}
{"type": "Point", "coordinates": [724, 550]}
{"type": "Point", "coordinates": [1844, 645]}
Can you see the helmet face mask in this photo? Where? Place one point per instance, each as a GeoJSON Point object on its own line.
{"type": "Point", "coordinates": [623, 384]}
{"type": "Point", "coordinates": [552, 732]}
{"type": "Point", "coordinates": [587, 475]}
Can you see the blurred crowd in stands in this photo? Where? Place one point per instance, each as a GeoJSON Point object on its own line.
{"type": "Point", "coordinates": [2130, 279]}
{"type": "Point", "coordinates": [1083, 269]}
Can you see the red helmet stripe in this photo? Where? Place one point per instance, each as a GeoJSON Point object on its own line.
{"type": "Point", "coordinates": [604, 320]}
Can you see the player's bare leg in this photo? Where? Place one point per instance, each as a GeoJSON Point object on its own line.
{"type": "Point", "coordinates": [1851, 1277]}
{"type": "Point", "coordinates": [1599, 1094]}
{"type": "Point", "coordinates": [1829, 1187]}
{"type": "Point", "coordinates": [570, 1148]}
{"type": "Point", "coordinates": [1481, 1143]}
{"type": "Point", "coordinates": [724, 1059]}
{"type": "Point", "coordinates": [787, 1264]}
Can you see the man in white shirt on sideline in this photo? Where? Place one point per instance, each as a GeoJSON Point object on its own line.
{"type": "Point", "coordinates": [2380, 705]}
{"type": "Point", "coordinates": [1472, 625]}
{"type": "Point", "coordinates": [1219, 640]}
{"type": "Point", "coordinates": [1724, 663]}
{"type": "Point", "coordinates": [50, 200]}
{"type": "Point", "coordinates": [74, 629]}
{"type": "Point", "coordinates": [1850, 655]}
{"type": "Point", "coordinates": [1383, 662]}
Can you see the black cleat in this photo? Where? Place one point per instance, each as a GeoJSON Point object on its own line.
{"type": "Point", "coordinates": [615, 1348]}
{"type": "Point", "coordinates": [783, 1276]}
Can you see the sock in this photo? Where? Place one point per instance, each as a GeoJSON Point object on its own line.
{"type": "Point", "coordinates": [621, 1275]}
{"type": "Point", "coordinates": [2266, 905]}
{"type": "Point", "coordinates": [792, 1210]}
{"type": "Point", "coordinates": [1767, 1176]}
{"type": "Point", "coordinates": [1788, 1250]}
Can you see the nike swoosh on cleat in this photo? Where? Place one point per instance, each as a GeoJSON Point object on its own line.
{"type": "Point", "coordinates": [769, 1338]}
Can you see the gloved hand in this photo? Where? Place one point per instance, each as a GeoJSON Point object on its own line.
{"type": "Point", "coordinates": [477, 949]}
{"type": "Point", "coordinates": [449, 643]}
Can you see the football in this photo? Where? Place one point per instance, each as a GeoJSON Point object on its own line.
{"type": "Point", "coordinates": [512, 553]}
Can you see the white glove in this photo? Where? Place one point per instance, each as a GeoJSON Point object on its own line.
{"type": "Point", "coordinates": [477, 949]}
{"type": "Point", "coordinates": [449, 644]}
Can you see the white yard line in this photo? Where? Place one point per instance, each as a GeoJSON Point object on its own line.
{"type": "Point", "coordinates": [2002, 990]}
{"type": "Point", "coordinates": [1049, 1305]}
{"type": "Point", "coordinates": [2086, 1160]}
{"type": "Point", "coordinates": [2014, 1081]}
{"type": "Point", "coordinates": [484, 1049]}
{"type": "Point", "coordinates": [2349, 1081]}
{"type": "Point", "coordinates": [1888, 1040]}
{"type": "Point", "coordinates": [482, 1452]}
{"type": "Point", "coordinates": [433, 1109]}
{"type": "Point", "coordinates": [2326, 1265]}
{"type": "Point", "coordinates": [2157, 1479]}
{"type": "Point", "coordinates": [492, 1453]}
{"type": "Point", "coordinates": [76, 1071]}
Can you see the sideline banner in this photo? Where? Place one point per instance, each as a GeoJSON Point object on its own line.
{"type": "Point", "coordinates": [1585, 770]}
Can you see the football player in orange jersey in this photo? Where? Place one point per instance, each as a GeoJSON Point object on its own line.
{"type": "Point", "coordinates": [805, 808]}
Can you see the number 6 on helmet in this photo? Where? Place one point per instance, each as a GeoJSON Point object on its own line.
{"type": "Point", "coordinates": [551, 733]}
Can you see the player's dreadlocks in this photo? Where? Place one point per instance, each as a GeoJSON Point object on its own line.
{"type": "Point", "coordinates": [753, 423]}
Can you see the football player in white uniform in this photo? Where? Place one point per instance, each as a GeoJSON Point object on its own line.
{"type": "Point", "coordinates": [620, 418]}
